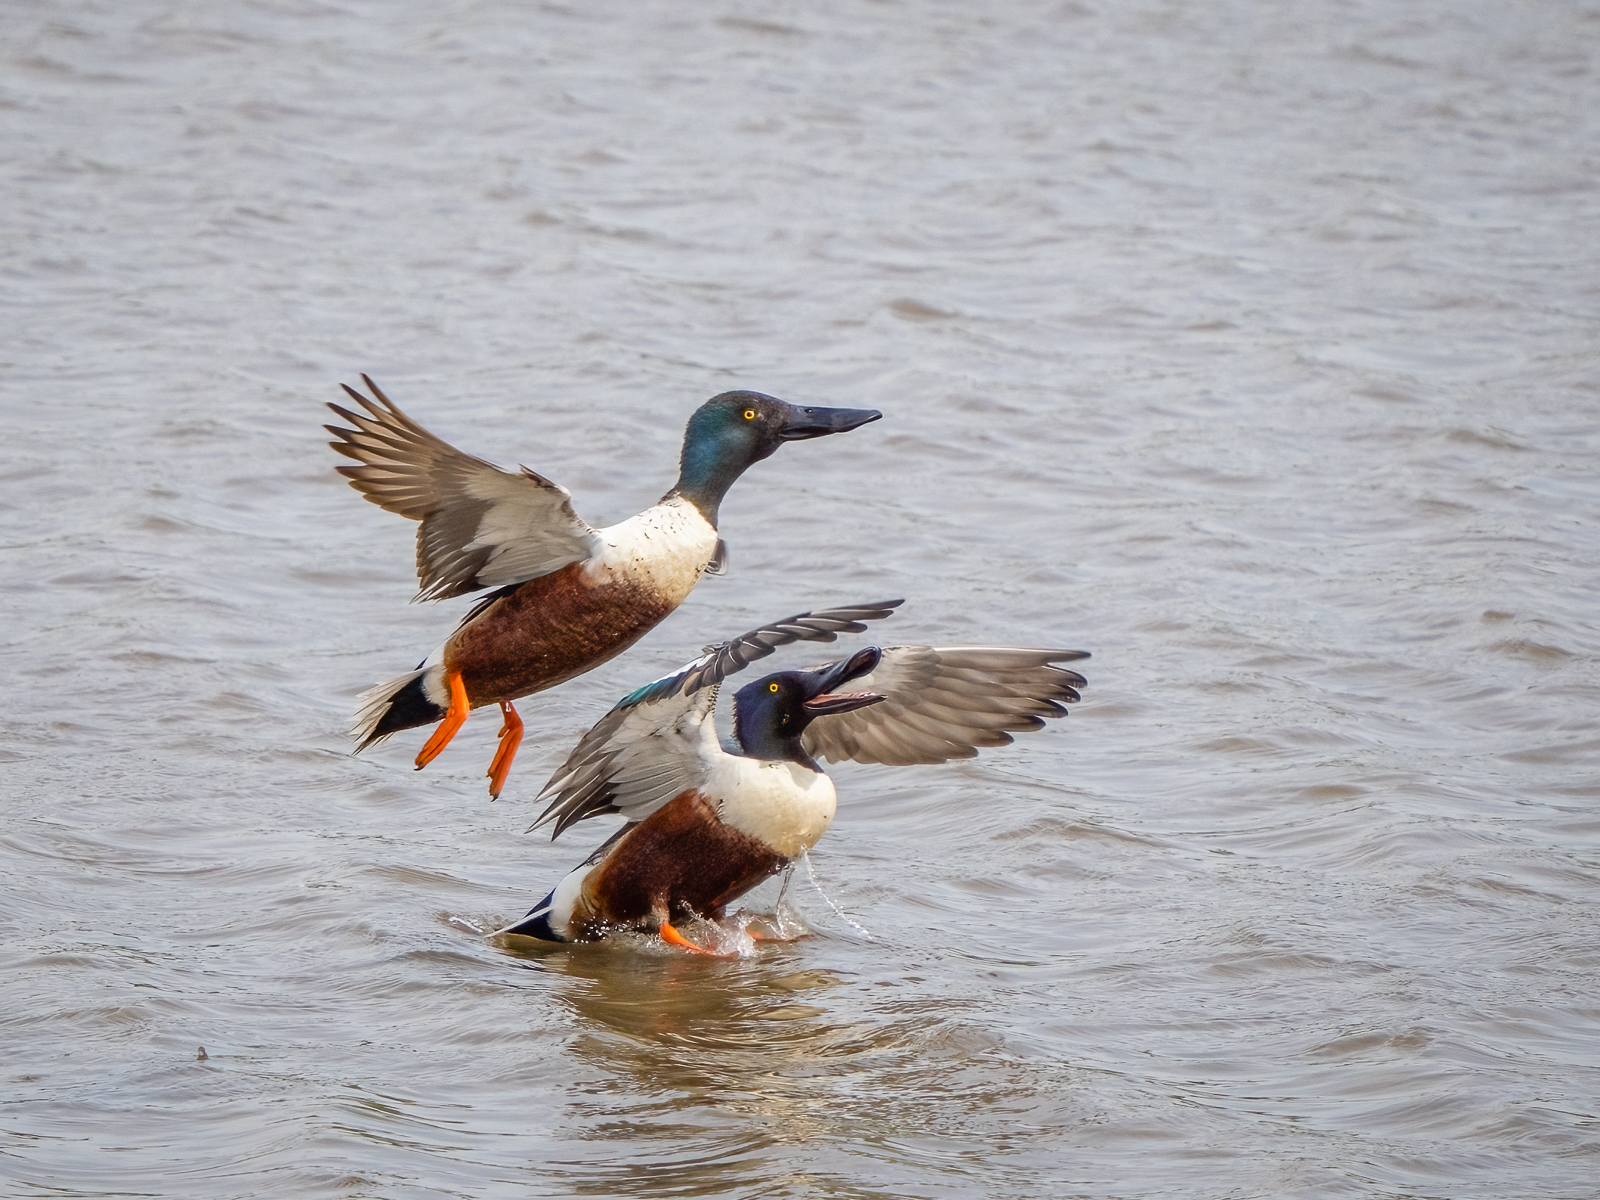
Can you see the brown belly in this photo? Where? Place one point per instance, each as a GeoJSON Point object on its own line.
{"type": "Point", "coordinates": [548, 631]}
{"type": "Point", "coordinates": [680, 861]}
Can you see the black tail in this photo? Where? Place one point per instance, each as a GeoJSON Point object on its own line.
{"type": "Point", "coordinates": [390, 707]}
{"type": "Point", "coordinates": [537, 923]}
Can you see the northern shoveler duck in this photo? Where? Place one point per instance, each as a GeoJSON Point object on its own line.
{"type": "Point", "coordinates": [705, 823]}
{"type": "Point", "coordinates": [568, 596]}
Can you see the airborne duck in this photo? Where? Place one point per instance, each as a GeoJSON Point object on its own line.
{"type": "Point", "coordinates": [567, 596]}
{"type": "Point", "coordinates": [705, 824]}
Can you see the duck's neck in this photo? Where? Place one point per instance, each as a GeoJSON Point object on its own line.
{"type": "Point", "coordinates": [705, 474]}
{"type": "Point", "coordinates": [768, 745]}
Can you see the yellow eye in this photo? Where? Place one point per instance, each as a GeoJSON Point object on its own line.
{"type": "Point", "coordinates": [772, 687]}
{"type": "Point", "coordinates": [750, 415]}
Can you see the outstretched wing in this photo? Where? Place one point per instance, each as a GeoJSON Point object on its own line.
{"type": "Point", "coordinates": [481, 526]}
{"type": "Point", "coordinates": [660, 740]}
{"type": "Point", "coordinates": [945, 702]}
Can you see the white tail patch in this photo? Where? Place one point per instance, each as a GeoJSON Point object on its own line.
{"type": "Point", "coordinates": [375, 701]}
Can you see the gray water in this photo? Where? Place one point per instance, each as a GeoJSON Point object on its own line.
{"type": "Point", "coordinates": [1251, 346]}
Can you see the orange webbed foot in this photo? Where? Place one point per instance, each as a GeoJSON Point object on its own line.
{"type": "Point", "coordinates": [770, 929]}
{"type": "Point", "coordinates": [455, 716]}
{"type": "Point", "coordinates": [674, 938]}
{"type": "Point", "coordinates": [510, 739]}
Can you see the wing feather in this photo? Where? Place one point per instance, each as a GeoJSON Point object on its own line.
{"type": "Point", "coordinates": [481, 526]}
{"type": "Point", "coordinates": [945, 703]}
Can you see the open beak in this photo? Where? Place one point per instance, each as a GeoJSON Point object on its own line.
{"type": "Point", "coordinates": [826, 700]}
{"type": "Point", "coordinates": [806, 423]}
{"type": "Point", "coordinates": [841, 702]}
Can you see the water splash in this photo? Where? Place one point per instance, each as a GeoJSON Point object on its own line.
{"type": "Point", "coordinates": [837, 911]}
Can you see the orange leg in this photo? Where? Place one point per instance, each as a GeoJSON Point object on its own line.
{"type": "Point", "coordinates": [756, 934]}
{"type": "Point", "coordinates": [510, 739]}
{"type": "Point", "coordinates": [673, 937]}
{"type": "Point", "coordinates": [454, 718]}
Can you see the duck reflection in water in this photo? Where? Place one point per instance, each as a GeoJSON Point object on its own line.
{"type": "Point", "coordinates": [706, 823]}
{"type": "Point", "coordinates": [709, 1071]}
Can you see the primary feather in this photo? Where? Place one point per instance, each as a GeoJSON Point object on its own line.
{"type": "Point", "coordinates": [947, 702]}
{"type": "Point", "coordinates": [481, 526]}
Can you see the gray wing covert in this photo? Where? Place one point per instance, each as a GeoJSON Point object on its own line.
{"type": "Point", "coordinates": [635, 759]}
{"type": "Point", "coordinates": [946, 702]}
{"type": "Point", "coordinates": [481, 526]}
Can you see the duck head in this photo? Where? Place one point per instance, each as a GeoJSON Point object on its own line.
{"type": "Point", "coordinates": [770, 714]}
{"type": "Point", "coordinates": [731, 431]}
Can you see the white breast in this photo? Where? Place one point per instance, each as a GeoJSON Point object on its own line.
{"type": "Point", "coordinates": [782, 804]}
{"type": "Point", "coordinates": [665, 548]}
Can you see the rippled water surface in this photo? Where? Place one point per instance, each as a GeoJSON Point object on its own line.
{"type": "Point", "coordinates": [1251, 346]}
